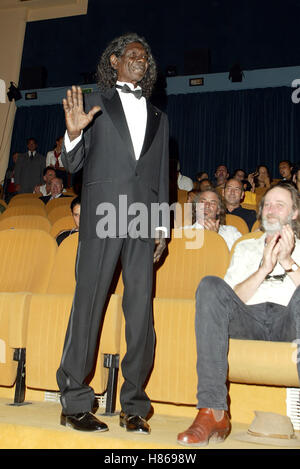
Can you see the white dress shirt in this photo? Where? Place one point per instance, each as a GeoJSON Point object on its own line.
{"type": "Point", "coordinates": [51, 160]}
{"type": "Point", "coordinates": [246, 260]}
{"type": "Point", "coordinates": [135, 111]}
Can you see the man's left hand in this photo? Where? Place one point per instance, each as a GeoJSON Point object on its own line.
{"type": "Point", "coordinates": [286, 244]}
{"type": "Point", "coordinates": [160, 245]}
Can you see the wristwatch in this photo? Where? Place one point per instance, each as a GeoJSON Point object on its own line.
{"type": "Point", "coordinates": [293, 268]}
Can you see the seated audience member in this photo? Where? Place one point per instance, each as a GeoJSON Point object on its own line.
{"type": "Point", "coordinates": [204, 184]}
{"type": "Point", "coordinates": [44, 189]}
{"type": "Point", "coordinates": [296, 177]}
{"type": "Point", "coordinates": [75, 210]}
{"type": "Point", "coordinates": [239, 174]}
{"type": "Point", "coordinates": [285, 170]}
{"type": "Point", "coordinates": [257, 300]}
{"type": "Point", "coordinates": [201, 175]}
{"type": "Point", "coordinates": [260, 181]}
{"type": "Point", "coordinates": [191, 196]}
{"type": "Point", "coordinates": [56, 191]}
{"type": "Point", "coordinates": [261, 178]}
{"type": "Point", "coordinates": [209, 213]}
{"type": "Point", "coordinates": [53, 159]}
{"type": "Point", "coordinates": [221, 176]}
{"type": "Point", "coordinates": [233, 194]}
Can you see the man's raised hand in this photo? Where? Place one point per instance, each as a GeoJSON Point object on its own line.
{"type": "Point", "coordinates": [76, 118]}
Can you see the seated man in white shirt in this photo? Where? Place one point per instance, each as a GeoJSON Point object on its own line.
{"type": "Point", "coordinates": [257, 300]}
{"type": "Point", "coordinates": [209, 213]}
{"type": "Point", "coordinates": [44, 189]}
{"type": "Point", "coordinates": [56, 190]}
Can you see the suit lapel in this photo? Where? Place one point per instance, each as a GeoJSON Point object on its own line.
{"type": "Point", "coordinates": [153, 119]}
{"type": "Point", "coordinates": [114, 108]}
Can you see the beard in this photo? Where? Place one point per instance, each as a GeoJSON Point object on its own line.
{"type": "Point", "coordinates": [275, 227]}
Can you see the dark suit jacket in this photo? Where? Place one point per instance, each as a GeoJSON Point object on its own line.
{"type": "Point", "coordinates": [46, 198]}
{"type": "Point", "coordinates": [29, 172]}
{"type": "Point", "coordinates": [110, 169]}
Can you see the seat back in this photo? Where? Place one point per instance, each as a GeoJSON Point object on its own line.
{"type": "Point", "coordinates": [48, 320]}
{"type": "Point", "coordinates": [58, 212]}
{"type": "Point", "coordinates": [14, 309]}
{"type": "Point", "coordinates": [60, 202]}
{"type": "Point", "coordinates": [27, 258]}
{"type": "Point", "coordinates": [192, 254]}
{"type": "Point", "coordinates": [32, 222]}
{"type": "Point", "coordinates": [173, 378]}
{"type": "Point", "coordinates": [256, 226]}
{"type": "Point", "coordinates": [62, 278]}
{"type": "Point", "coordinates": [26, 195]}
{"type": "Point", "coordinates": [64, 223]}
{"type": "Point", "coordinates": [238, 222]}
{"type": "Point", "coordinates": [27, 209]}
{"type": "Point", "coordinates": [31, 201]}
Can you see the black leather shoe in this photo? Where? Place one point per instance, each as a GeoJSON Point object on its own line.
{"type": "Point", "coordinates": [85, 422]}
{"type": "Point", "coordinates": [134, 423]}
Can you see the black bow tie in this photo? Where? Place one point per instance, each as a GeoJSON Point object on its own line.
{"type": "Point", "coordinates": [125, 89]}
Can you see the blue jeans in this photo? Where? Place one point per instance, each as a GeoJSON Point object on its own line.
{"type": "Point", "coordinates": [220, 314]}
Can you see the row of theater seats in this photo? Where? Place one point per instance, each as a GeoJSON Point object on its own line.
{"type": "Point", "coordinates": [28, 211]}
{"type": "Point", "coordinates": [37, 286]}
{"type": "Point", "coordinates": [37, 281]}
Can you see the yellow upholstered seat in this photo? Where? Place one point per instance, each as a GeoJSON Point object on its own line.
{"type": "Point", "coordinates": [26, 195]}
{"type": "Point", "coordinates": [60, 202]}
{"type": "Point", "coordinates": [62, 279]}
{"type": "Point", "coordinates": [238, 222]}
{"type": "Point", "coordinates": [48, 319]}
{"type": "Point", "coordinates": [174, 377]}
{"type": "Point", "coordinates": [59, 212]}
{"type": "Point", "coordinates": [23, 270]}
{"type": "Point", "coordinates": [34, 222]}
{"type": "Point", "coordinates": [192, 254]}
{"type": "Point", "coordinates": [27, 258]}
{"type": "Point", "coordinates": [14, 308]}
{"type": "Point", "coordinates": [256, 226]}
{"type": "Point", "coordinates": [64, 223]}
{"type": "Point", "coordinates": [189, 259]}
{"type": "Point", "coordinates": [27, 209]}
{"type": "Point", "coordinates": [31, 201]}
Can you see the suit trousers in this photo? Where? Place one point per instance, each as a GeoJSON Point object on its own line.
{"type": "Point", "coordinates": [95, 266]}
{"type": "Point", "coordinates": [220, 315]}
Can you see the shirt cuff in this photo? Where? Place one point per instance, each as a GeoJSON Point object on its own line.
{"type": "Point", "coordinates": [70, 145]}
{"type": "Point", "coordinates": [164, 229]}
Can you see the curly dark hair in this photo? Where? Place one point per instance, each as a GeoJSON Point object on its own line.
{"type": "Point", "coordinates": [107, 76]}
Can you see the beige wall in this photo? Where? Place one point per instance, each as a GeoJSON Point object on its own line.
{"type": "Point", "coordinates": [13, 18]}
{"type": "Point", "coordinates": [12, 30]}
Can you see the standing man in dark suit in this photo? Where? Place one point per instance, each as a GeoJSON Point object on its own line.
{"type": "Point", "coordinates": [29, 168]}
{"type": "Point", "coordinates": [121, 142]}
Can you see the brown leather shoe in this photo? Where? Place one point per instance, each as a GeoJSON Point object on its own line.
{"type": "Point", "coordinates": [205, 428]}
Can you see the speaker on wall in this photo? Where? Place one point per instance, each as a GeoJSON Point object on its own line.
{"type": "Point", "coordinates": [197, 61]}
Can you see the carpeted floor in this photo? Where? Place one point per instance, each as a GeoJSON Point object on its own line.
{"type": "Point", "coordinates": [36, 426]}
